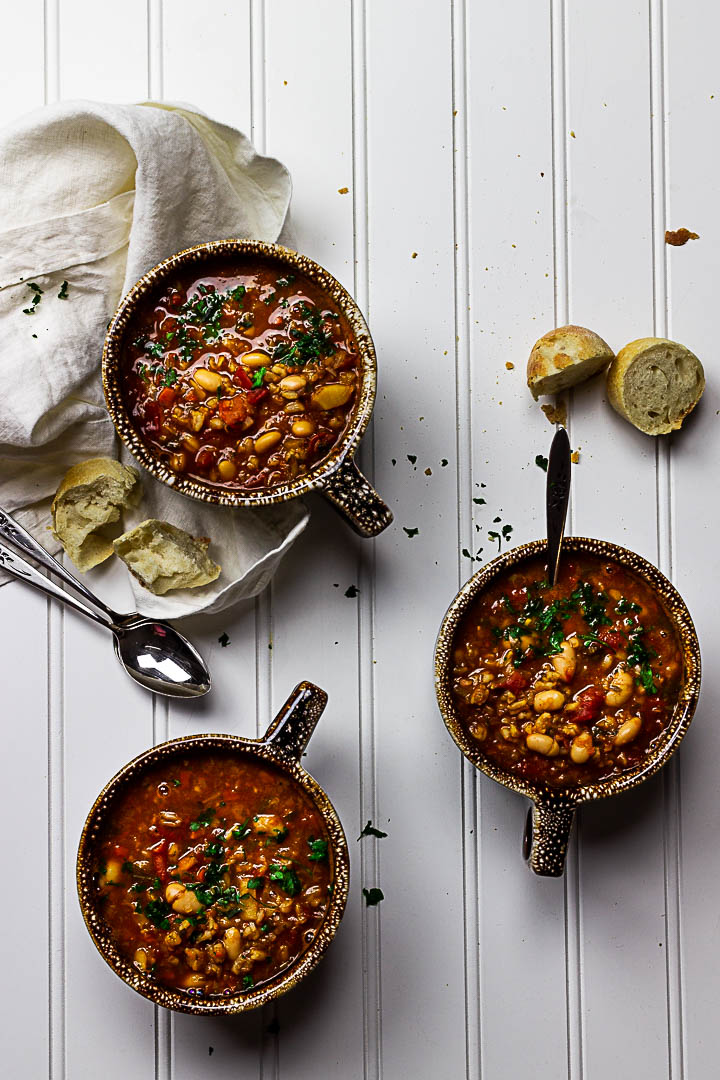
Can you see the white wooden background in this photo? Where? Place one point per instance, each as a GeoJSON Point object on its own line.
{"type": "Point", "coordinates": [531, 153]}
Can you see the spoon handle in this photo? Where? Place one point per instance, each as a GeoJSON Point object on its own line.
{"type": "Point", "coordinates": [23, 571]}
{"type": "Point", "coordinates": [556, 499]}
{"type": "Point", "coordinates": [12, 531]}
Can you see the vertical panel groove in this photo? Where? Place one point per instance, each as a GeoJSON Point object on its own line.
{"type": "Point", "coordinates": [368, 809]}
{"type": "Point", "coordinates": [269, 1054]}
{"type": "Point", "coordinates": [561, 269]}
{"type": "Point", "coordinates": [661, 319]}
{"type": "Point", "coordinates": [470, 811]}
{"type": "Point", "coordinates": [57, 1011]}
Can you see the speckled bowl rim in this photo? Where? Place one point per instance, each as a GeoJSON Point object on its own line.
{"type": "Point", "coordinates": [196, 489]}
{"type": "Point", "coordinates": [244, 1000]}
{"type": "Point", "coordinates": [675, 608]}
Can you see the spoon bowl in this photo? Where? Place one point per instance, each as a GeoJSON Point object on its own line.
{"type": "Point", "coordinates": [155, 655]}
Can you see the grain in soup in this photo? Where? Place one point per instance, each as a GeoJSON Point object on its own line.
{"type": "Point", "coordinates": [570, 684]}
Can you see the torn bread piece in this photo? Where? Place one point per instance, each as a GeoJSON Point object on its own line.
{"type": "Point", "coordinates": [92, 494]}
{"type": "Point", "coordinates": [564, 357]}
{"type": "Point", "coordinates": [163, 557]}
{"type": "Point", "coordinates": [655, 383]}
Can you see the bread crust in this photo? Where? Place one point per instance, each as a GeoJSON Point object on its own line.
{"type": "Point", "coordinates": [564, 357]}
{"type": "Point", "coordinates": [164, 557]}
{"type": "Point", "coordinates": [80, 537]}
{"type": "Point", "coordinates": [617, 383]}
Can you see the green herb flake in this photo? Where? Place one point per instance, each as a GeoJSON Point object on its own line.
{"type": "Point", "coordinates": [373, 897]}
{"type": "Point", "coordinates": [203, 820]}
{"type": "Point", "coordinates": [410, 532]}
{"type": "Point", "coordinates": [479, 502]}
{"type": "Point", "coordinates": [258, 376]}
{"type": "Point", "coordinates": [318, 850]}
{"type": "Point", "coordinates": [287, 879]}
{"type": "Point", "coordinates": [247, 982]}
{"type": "Point", "coordinates": [351, 592]}
{"type": "Point", "coordinates": [255, 883]}
{"type": "Point", "coordinates": [541, 462]}
{"type": "Point", "coordinates": [224, 640]}
{"type": "Point", "coordinates": [370, 830]}
{"type": "Point", "coordinates": [63, 294]}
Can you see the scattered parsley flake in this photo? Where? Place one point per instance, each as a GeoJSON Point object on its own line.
{"type": "Point", "coordinates": [351, 592]}
{"type": "Point", "coordinates": [410, 532]}
{"type": "Point", "coordinates": [224, 640]}
{"type": "Point", "coordinates": [541, 462]}
{"type": "Point", "coordinates": [479, 502]}
{"type": "Point", "coordinates": [370, 830]}
{"type": "Point", "coordinates": [63, 294]}
{"type": "Point", "coordinates": [412, 458]}
{"type": "Point", "coordinates": [373, 896]}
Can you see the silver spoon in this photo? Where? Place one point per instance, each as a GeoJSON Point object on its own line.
{"type": "Point", "coordinates": [152, 652]}
{"type": "Point", "coordinates": [556, 499]}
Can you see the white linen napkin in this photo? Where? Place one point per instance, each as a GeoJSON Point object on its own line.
{"type": "Point", "coordinates": [93, 195]}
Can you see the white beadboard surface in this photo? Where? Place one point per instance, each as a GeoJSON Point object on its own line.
{"type": "Point", "coordinates": [509, 167]}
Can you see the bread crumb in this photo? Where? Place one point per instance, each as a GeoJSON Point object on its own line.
{"type": "Point", "coordinates": [284, 82]}
{"type": "Point", "coordinates": [572, 134]}
{"type": "Point", "coordinates": [556, 414]}
{"type": "Point", "coordinates": [414, 255]}
{"type": "Point", "coordinates": [428, 472]}
{"type": "Point", "coordinates": [575, 457]}
{"type": "Point", "coordinates": [509, 365]}
{"type": "Point", "coordinates": [343, 190]}
{"type": "Point", "coordinates": [680, 237]}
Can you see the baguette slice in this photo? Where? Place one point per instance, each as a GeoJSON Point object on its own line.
{"type": "Point", "coordinates": [91, 495]}
{"type": "Point", "coordinates": [655, 383]}
{"type": "Point", "coordinates": [564, 357]}
{"type": "Point", "coordinates": [163, 557]}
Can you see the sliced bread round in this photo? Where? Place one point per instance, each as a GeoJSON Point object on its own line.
{"type": "Point", "coordinates": [163, 557]}
{"type": "Point", "coordinates": [92, 495]}
{"type": "Point", "coordinates": [564, 357]}
{"type": "Point", "coordinates": [655, 383]}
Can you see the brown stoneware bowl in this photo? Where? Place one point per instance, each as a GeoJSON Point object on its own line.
{"type": "Point", "coordinates": [551, 814]}
{"type": "Point", "coordinates": [336, 475]}
{"type": "Point", "coordinates": [282, 746]}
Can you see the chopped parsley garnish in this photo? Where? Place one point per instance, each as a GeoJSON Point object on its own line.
{"type": "Point", "coordinates": [158, 912]}
{"type": "Point", "coordinates": [351, 592]}
{"type": "Point", "coordinates": [203, 819]}
{"type": "Point", "coordinates": [170, 377]}
{"type": "Point", "coordinates": [255, 883]}
{"type": "Point", "coordinates": [370, 830]}
{"type": "Point", "coordinates": [318, 850]}
{"type": "Point", "coordinates": [240, 831]}
{"type": "Point", "coordinates": [640, 656]}
{"type": "Point", "coordinates": [37, 297]}
{"type": "Point", "coordinates": [312, 343]}
{"type": "Point", "coordinates": [258, 376]}
{"type": "Point", "coordinates": [625, 607]}
{"type": "Point", "coordinates": [247, 982]}
{"type": "Point", "coordinates": [541, 462]}
{"type": "Point", "coordinates": [176, 783]}
{"type": "Point", "coordinates": [215, 850]}
{"type": "Point", "coordinates": [127, 867]}
{"type": "Point", "coordinates": [479, 502]}
{"type": "Point", "coordinates": [373, 896]}
{"type": "Point", "coordinates": [224, 640]}
{"type": "Point", "coordinates": [286, 877]}
{"type": "Point", "coordinates": [63, 294]}
{"type": "Point", "coordinates": [410, 532]}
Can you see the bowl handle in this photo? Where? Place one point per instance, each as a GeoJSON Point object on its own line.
{"type": "Point", "coordinates": [291, 729]}
{"type": "Point", "coordinates": [547, 831]}
{"type": "Point", "coordinates": [357, 500]}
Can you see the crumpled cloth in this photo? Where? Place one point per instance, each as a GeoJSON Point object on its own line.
{"type": "Point", "coordinates": [94, 195]}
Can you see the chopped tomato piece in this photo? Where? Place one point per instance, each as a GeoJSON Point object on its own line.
{"type": "Point", "coordinates": [613, 638]}
{"type": "Point", "coordinates": [516, 682]}
{"type": "Point", "coordinates": [205, 457]}
{"type": "Point", "coordinates": [120, 851]}
{"type": "Point", "coordinates": [167, 396]}
{"type": "Point", "coordinates": [233, 410]}
{"type": "Point", "coordinates": [590, 701]}
{"type": "Point", "coordinates": [241, 378]}
{"type": "Point", "coordinates": [257, 395]}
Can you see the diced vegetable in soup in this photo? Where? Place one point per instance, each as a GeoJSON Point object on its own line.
{"type": "Point", "coordinates": [215, 873]}
{"type": "Point", "coordinates": [243, 378]}
{"type": "Point", "coordinates": [570, 684]}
